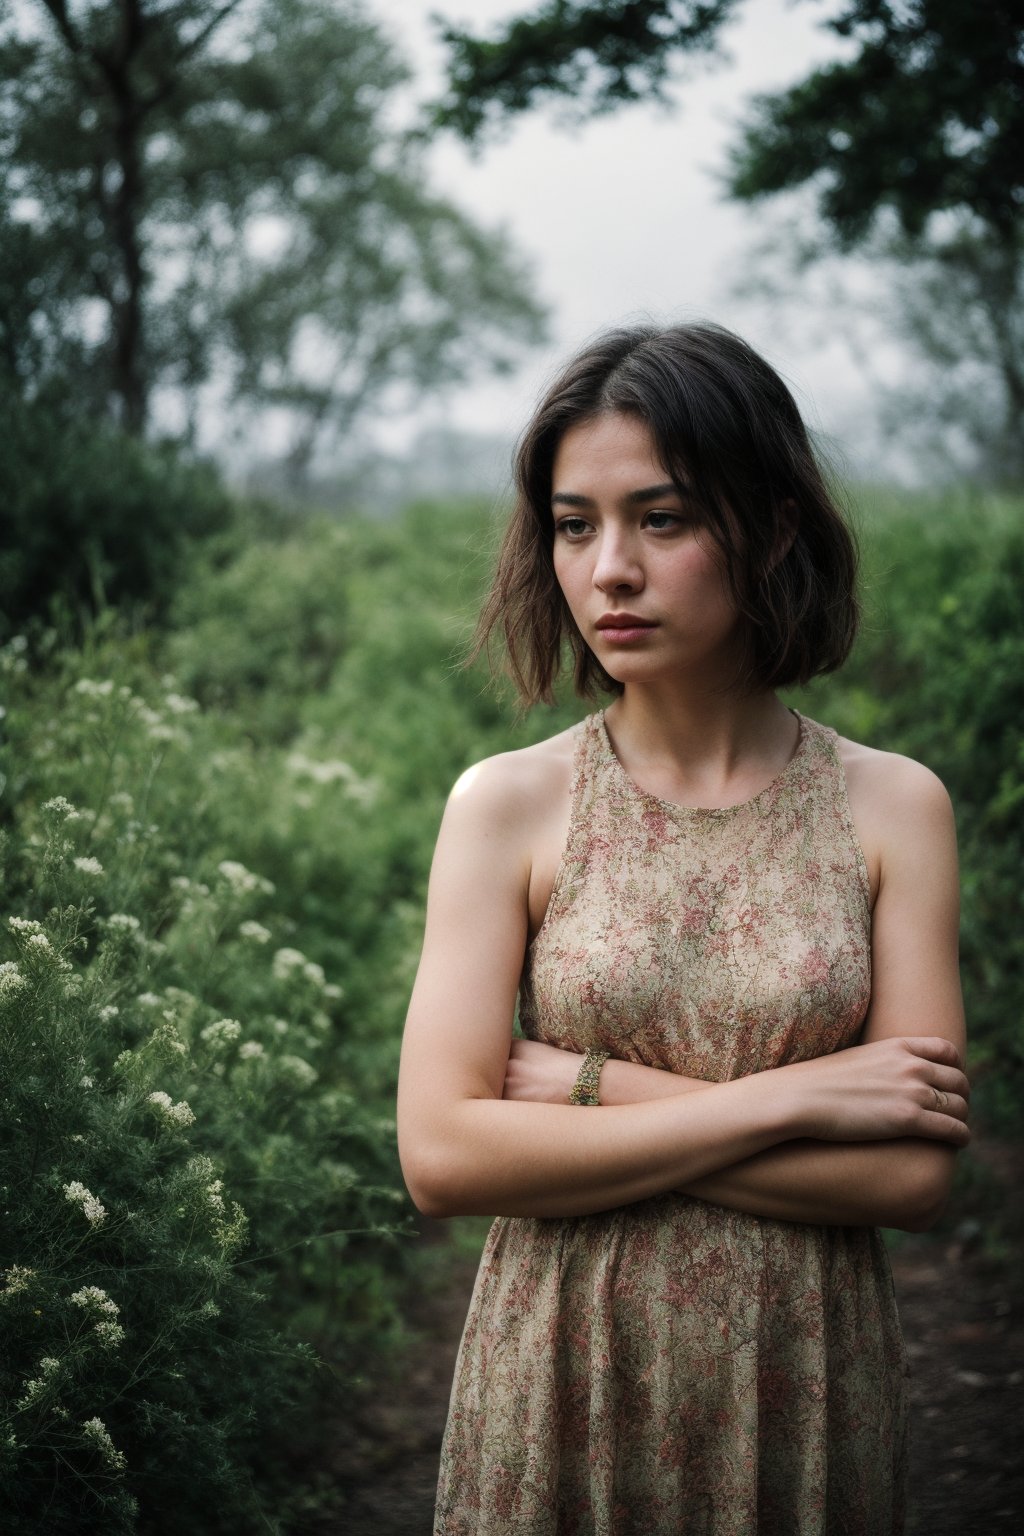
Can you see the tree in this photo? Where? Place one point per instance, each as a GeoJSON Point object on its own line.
{"type": "Point", "coordinates": [601, 55]}
{"type": "Point", "coordinates": [211, 189]}
{"type": "Point", "coordinates": [915, 150]}
{"type": "Point", "coordinates": [912, 147]}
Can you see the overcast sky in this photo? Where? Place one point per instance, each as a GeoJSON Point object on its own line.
{"type": "Point", "coordinates": [623, 217]}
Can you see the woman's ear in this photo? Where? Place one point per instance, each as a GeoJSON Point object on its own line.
{"type": "Point", "coordinates": [786, 532]}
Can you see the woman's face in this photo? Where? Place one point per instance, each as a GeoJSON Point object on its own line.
{"type": "Point", "coordinates": [644, 582]}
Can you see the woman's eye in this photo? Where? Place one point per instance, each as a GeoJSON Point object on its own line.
{"type": "Point", "coordinates": [660, 521]}
{"type": "Point", "coordinates": [572, 527]}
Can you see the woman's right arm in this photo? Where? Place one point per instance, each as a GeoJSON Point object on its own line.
{"type": "Point", "coordinates": [465, 1150]}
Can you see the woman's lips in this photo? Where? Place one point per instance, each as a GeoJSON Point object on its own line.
{"type": "Point", "coordinates": [624, 628]}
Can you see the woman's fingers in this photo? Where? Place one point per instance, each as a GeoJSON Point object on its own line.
{"type": "Point", "coordinates": [946, 1124]}
{"type": "Point", "coordinates": [949, 1080]}
{"type": "Point", "coordinates": [895, 1087]}
{"type": "Point", "coordinates": [933, 1048]}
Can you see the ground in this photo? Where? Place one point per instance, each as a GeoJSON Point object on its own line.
{"type": "Point", "coordinates": [964, 1326]}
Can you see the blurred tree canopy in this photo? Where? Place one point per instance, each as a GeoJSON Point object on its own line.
{"type": "Point", "coordinates": [602, 54]}
{"type": "Point", "coordinates": [911, 145]}
{"type": "Point", "coordinates": [193, 189]}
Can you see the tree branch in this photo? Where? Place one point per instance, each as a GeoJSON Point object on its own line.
{"type": "Point", "coordinates": [59, 11]}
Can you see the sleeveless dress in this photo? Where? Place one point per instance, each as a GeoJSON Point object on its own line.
{"type": "Point", "coordinates": [671, 1366]}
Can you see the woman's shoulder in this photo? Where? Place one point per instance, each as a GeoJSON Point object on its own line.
{"type": "Point", "coordinates": [889, 780]}
{"type": "Point", "coordinates": [519, 786]}
{"type": "Point", "coordinates": [896, 804]}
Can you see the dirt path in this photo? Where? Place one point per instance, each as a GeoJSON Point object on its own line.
{"type": "Point", "coordinates": [965, 1334]}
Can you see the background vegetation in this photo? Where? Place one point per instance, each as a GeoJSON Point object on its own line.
{"type": "Point", "coordinates": [217, 839]}
{"type": "Point", "coordinates": [228, 730]}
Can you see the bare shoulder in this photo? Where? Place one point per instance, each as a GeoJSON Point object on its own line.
{"type": "Point", "coordinates": [897, 804]}
{"type": "Point", "coordinates": [515, 790]}
{"type": "Point", "coordinates": [889, 785]}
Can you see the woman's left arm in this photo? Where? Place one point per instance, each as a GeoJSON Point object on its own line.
{"type": "Point", "coordinates": [906, 822]}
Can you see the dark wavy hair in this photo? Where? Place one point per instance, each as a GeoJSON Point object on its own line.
{"type": "Point", "coordinates": [730, 436]}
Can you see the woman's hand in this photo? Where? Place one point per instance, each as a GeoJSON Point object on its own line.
{"type": "Point", "coordinates": [540, 1074]}
{"type": "Point", "coordinates": [901, 1086]}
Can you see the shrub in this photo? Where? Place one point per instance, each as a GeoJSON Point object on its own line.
{"type": "Point", "coordinates": [93, 516]}
{"type": "Point", "coordinates": [184, 1152]}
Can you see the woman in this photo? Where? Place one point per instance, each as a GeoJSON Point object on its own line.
{"type": "Point", "coordinates": [734, 935]}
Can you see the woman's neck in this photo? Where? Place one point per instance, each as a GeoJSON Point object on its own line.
{"type": "Point", "coordinates": [707, 749]}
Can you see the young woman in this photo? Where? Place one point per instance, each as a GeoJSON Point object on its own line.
{"type": "Point", "coordinates": [733, 936]}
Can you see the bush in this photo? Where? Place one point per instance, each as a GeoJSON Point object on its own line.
{"type": "Point", "coordinates": [92, 516]}
{"type": "Point", "coordinates": [194, 1179]}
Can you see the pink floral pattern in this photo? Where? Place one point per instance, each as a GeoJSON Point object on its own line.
{"type": "Point", "coordinates": [672, 1366]}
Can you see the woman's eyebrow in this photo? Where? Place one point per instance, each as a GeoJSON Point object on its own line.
{"type": "Point", "coordinates": [632, 498]}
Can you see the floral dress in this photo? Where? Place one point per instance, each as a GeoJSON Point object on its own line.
{"type": "Point", "coordinates": [671, 1366]}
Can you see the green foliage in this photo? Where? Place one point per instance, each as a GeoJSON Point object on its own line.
{"type": "Point", "coordinates": [913, 148]}
{"type": "Point", "coordinates": [215, 188]}
{"type": "Point", "coordinates": [601, 55]}
{"type": "Point", "coordinates": [926, 115]}
{"type": "Point", "coordinates": [184, 1128]}
{"type": "Point", "coordinates": [938, 674]}
{"type": "Point", "coordinates": [218, 910]}
{"type": "Point", "coordinates": [92, 515]}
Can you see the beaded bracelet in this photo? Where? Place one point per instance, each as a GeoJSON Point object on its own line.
{"type": "Point", "coordinates": [584, 1089]}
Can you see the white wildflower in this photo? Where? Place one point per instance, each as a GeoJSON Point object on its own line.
{"type": "Point", "coordinates": [303, 1074]}
{"type": "Point", "coordinates": [108, 1012]}
{"type": "Point", "coordinates": [165, 1039]}
{"type": "Point", "coordinates": [94, 1213]}
{"type": "Point", "coordinates": [255, 931]}
{"type": "Point", "coordinates": [314, 973]}
{"type": "Point", "coordinates": [59, 806]}
{"type": "Point", "coordinates": [24, 925]}
{"type": "Point", "coordinates": [16, 1280]}
{"type": "Point", "coordinates": [321, 772]}
{"type": "Point", "coordinates": [221, 1032]}
{"type": "Point", "coordinates": [39, 941]}
{"type": "Point", "coordinates": [12, 978]}
{"type": "Point", "coordinates": [96, 1301]}
{"type": "Point", "coordinates": [123, 921]}
{"type": "Point", "coordinates": [87, 865]}
{"type": "Point", "coordinates": [85, 1081]}
{"type": "Point", "coordinates": [121, 800]}
{"type": "Point", "coordinates": [215, 1195]}
{"type": "Point", "coordinates": [178, 704]}
{"type": "Point", "coordinates": [177, 1115]}
{"type": "Point", "coordinates": [243, 882]}
{"type": "Point", "coordinates": [95, 1432]}
{"type": "Point", "coordinates": [148, 1000]}
{"type": "Point", "coordinates": [281, 1026]}
{"type": "Point", "coordinates": [333, 991]}
{"type": "Point", "coordinates": [209, 1309]}
{"type": "Point", "coordinates": [163, 732]}
{"type": "Point", "coordinates": [286, 961]}
{"type": "Point", "coordinates": [251, 1050]}
{"type": "Point", "coordinates": [109, 1335]}
{"type": "Point", "coordinates": [90, 689]}
{"type": "Point", "coordinates": [39, 1385]}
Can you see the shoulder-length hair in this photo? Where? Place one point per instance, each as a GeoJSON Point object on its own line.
{"type": "Point", "coordinates": [730, 436]}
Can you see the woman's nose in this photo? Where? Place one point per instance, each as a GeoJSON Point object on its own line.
{"type": "Point", "coordinates": [617, 568]}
